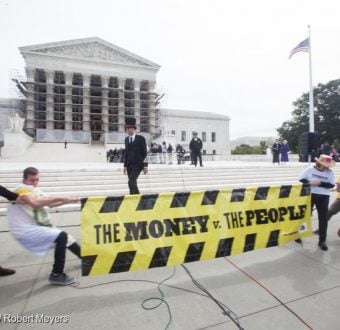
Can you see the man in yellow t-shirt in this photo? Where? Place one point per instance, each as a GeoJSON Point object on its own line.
{"type": "Point", "coordinates": [30, 225]}
{"type": "Point", "coordinates": [335, 206]}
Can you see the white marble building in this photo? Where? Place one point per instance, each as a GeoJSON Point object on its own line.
{"type": "Point", "coordinates": [177, 127]}
{"type": "Point", "coordinates": [82, 90]}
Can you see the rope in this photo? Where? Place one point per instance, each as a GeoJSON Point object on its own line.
{"type": "Point", "coordinates": [272, 294]}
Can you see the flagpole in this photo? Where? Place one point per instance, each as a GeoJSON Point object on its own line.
{"type": "Point", "coordinates": [311, 98]}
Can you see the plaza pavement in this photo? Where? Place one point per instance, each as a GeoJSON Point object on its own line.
{"type": "Point", "coordinates": [288, 287]}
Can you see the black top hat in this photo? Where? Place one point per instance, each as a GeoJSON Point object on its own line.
{"type": "Point", "coordinates": [130, 122]}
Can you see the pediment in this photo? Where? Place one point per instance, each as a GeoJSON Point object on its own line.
{"type": "Point", "coordinates": [90, 49]}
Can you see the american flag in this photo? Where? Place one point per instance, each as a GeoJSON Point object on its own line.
{"type": "Point", "coordinates": [303, 46]}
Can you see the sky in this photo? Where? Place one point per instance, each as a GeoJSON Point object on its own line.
{"type": "Point", "coordinates": [220, 56]}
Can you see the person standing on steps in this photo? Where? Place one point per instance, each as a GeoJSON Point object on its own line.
{"type": "Point", "coordinates": [169, 151]}
{"type": "Point", "coordinates": [276, 149]}
{"type": "Point", "coordinates": [284, 152]}
{"type": "Point", "coordinates": [135, 155]}
{"type": "Point", "coordinates": [196, 146]}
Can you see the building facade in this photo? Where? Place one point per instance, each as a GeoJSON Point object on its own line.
{"type": "Point", "coordinates": [82, 90]}
{"type": "Point", "coordinates": [177, 127]}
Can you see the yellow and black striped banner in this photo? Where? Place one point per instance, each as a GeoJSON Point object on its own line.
{"type": "Point", "coordinates": [125, 233]}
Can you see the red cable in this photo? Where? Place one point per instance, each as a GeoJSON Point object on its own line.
{"type": "Point", "coordinates": [260, 284]}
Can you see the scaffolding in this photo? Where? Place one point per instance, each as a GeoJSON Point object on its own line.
{"type": "Point", "coordinates": [93, 104]}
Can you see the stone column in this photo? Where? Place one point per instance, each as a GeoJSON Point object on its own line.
{"type": "Point", "coordinates": [105, 103]}
{"type": "Point", "coordinates": [137, 103]}
{"type": "Point", "coordinates": [68, 101]}
{"type": "Point", "coordinates": [86, 103]}
{"type": "Point", "coordinates": [152, 109]}
{"type": "Point", "coordinates": [121, 107]}
{"type": "Point", "coordinates": [30, 124]}
{"type": "Point", "coordinates": [49, 100]}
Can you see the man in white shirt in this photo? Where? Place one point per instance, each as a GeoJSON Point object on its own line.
{"type": "Point", "coordinates": [30, 225]}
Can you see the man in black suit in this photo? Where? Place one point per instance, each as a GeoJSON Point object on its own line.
{"type": "Point", "coordinates": [276, 149]}
{"type": "Point", "coordinates": [135, 154]}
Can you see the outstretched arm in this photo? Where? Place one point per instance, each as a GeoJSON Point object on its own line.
{"type": "Point", "coordinates": [47, 201]}
{"type": "Point", "coordinates": [71, 200]}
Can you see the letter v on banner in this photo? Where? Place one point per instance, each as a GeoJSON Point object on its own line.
{"type": "Point", "coordinates": [132, 232]}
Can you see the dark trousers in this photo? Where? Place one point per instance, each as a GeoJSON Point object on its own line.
{"type": "Point", "coordinates": [60, 252]}
{"type": "Point", "coordinates": [197, 154]}
{"type": "Point", "coordinates": [321, 204]}
{"type": "Point", "coordinates": [276, 156]}
{"type": "Point", "coordinates": [133, 174]}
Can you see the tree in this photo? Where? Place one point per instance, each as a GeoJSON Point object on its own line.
{"type": "Point", "coordinates": [245, 149]}
{"type": "Point", "coordinates": [326, 115]}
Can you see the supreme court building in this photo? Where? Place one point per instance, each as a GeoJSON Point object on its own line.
{"type": "Point", "coordinates": [82, 90]}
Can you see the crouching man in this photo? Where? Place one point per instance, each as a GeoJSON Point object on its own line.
{"type": "Point", "coordinates": [30, 224]}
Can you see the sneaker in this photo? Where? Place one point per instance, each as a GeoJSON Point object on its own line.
{"type": "Point", "coordinates": [61, 279]}
{"type": "Point", "coordinates": [316, 232]}
{"type": "Point", "coordinates": [323, 246]}
{"type": "Point", "coordinates": [6, 271]}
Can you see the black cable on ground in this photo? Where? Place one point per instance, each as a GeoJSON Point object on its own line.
{"type": "Point", "coordinates": [226, 311]}
{"type": "Point", "coordinates": [206, 294]}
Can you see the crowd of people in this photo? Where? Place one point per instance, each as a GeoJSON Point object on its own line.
{"type": "Point", "coordinates": [280, 152]}
{"type": "Point", "coordinates": [329, 150]}
{"type": "Point", "coordinates": [115, 155]}
{"type": "Point", "coordinates": [160, 153]}
{"type": "Point", "coordinates": [156, 154]}
{"type": "Point", "coordinates": [164, 153]}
